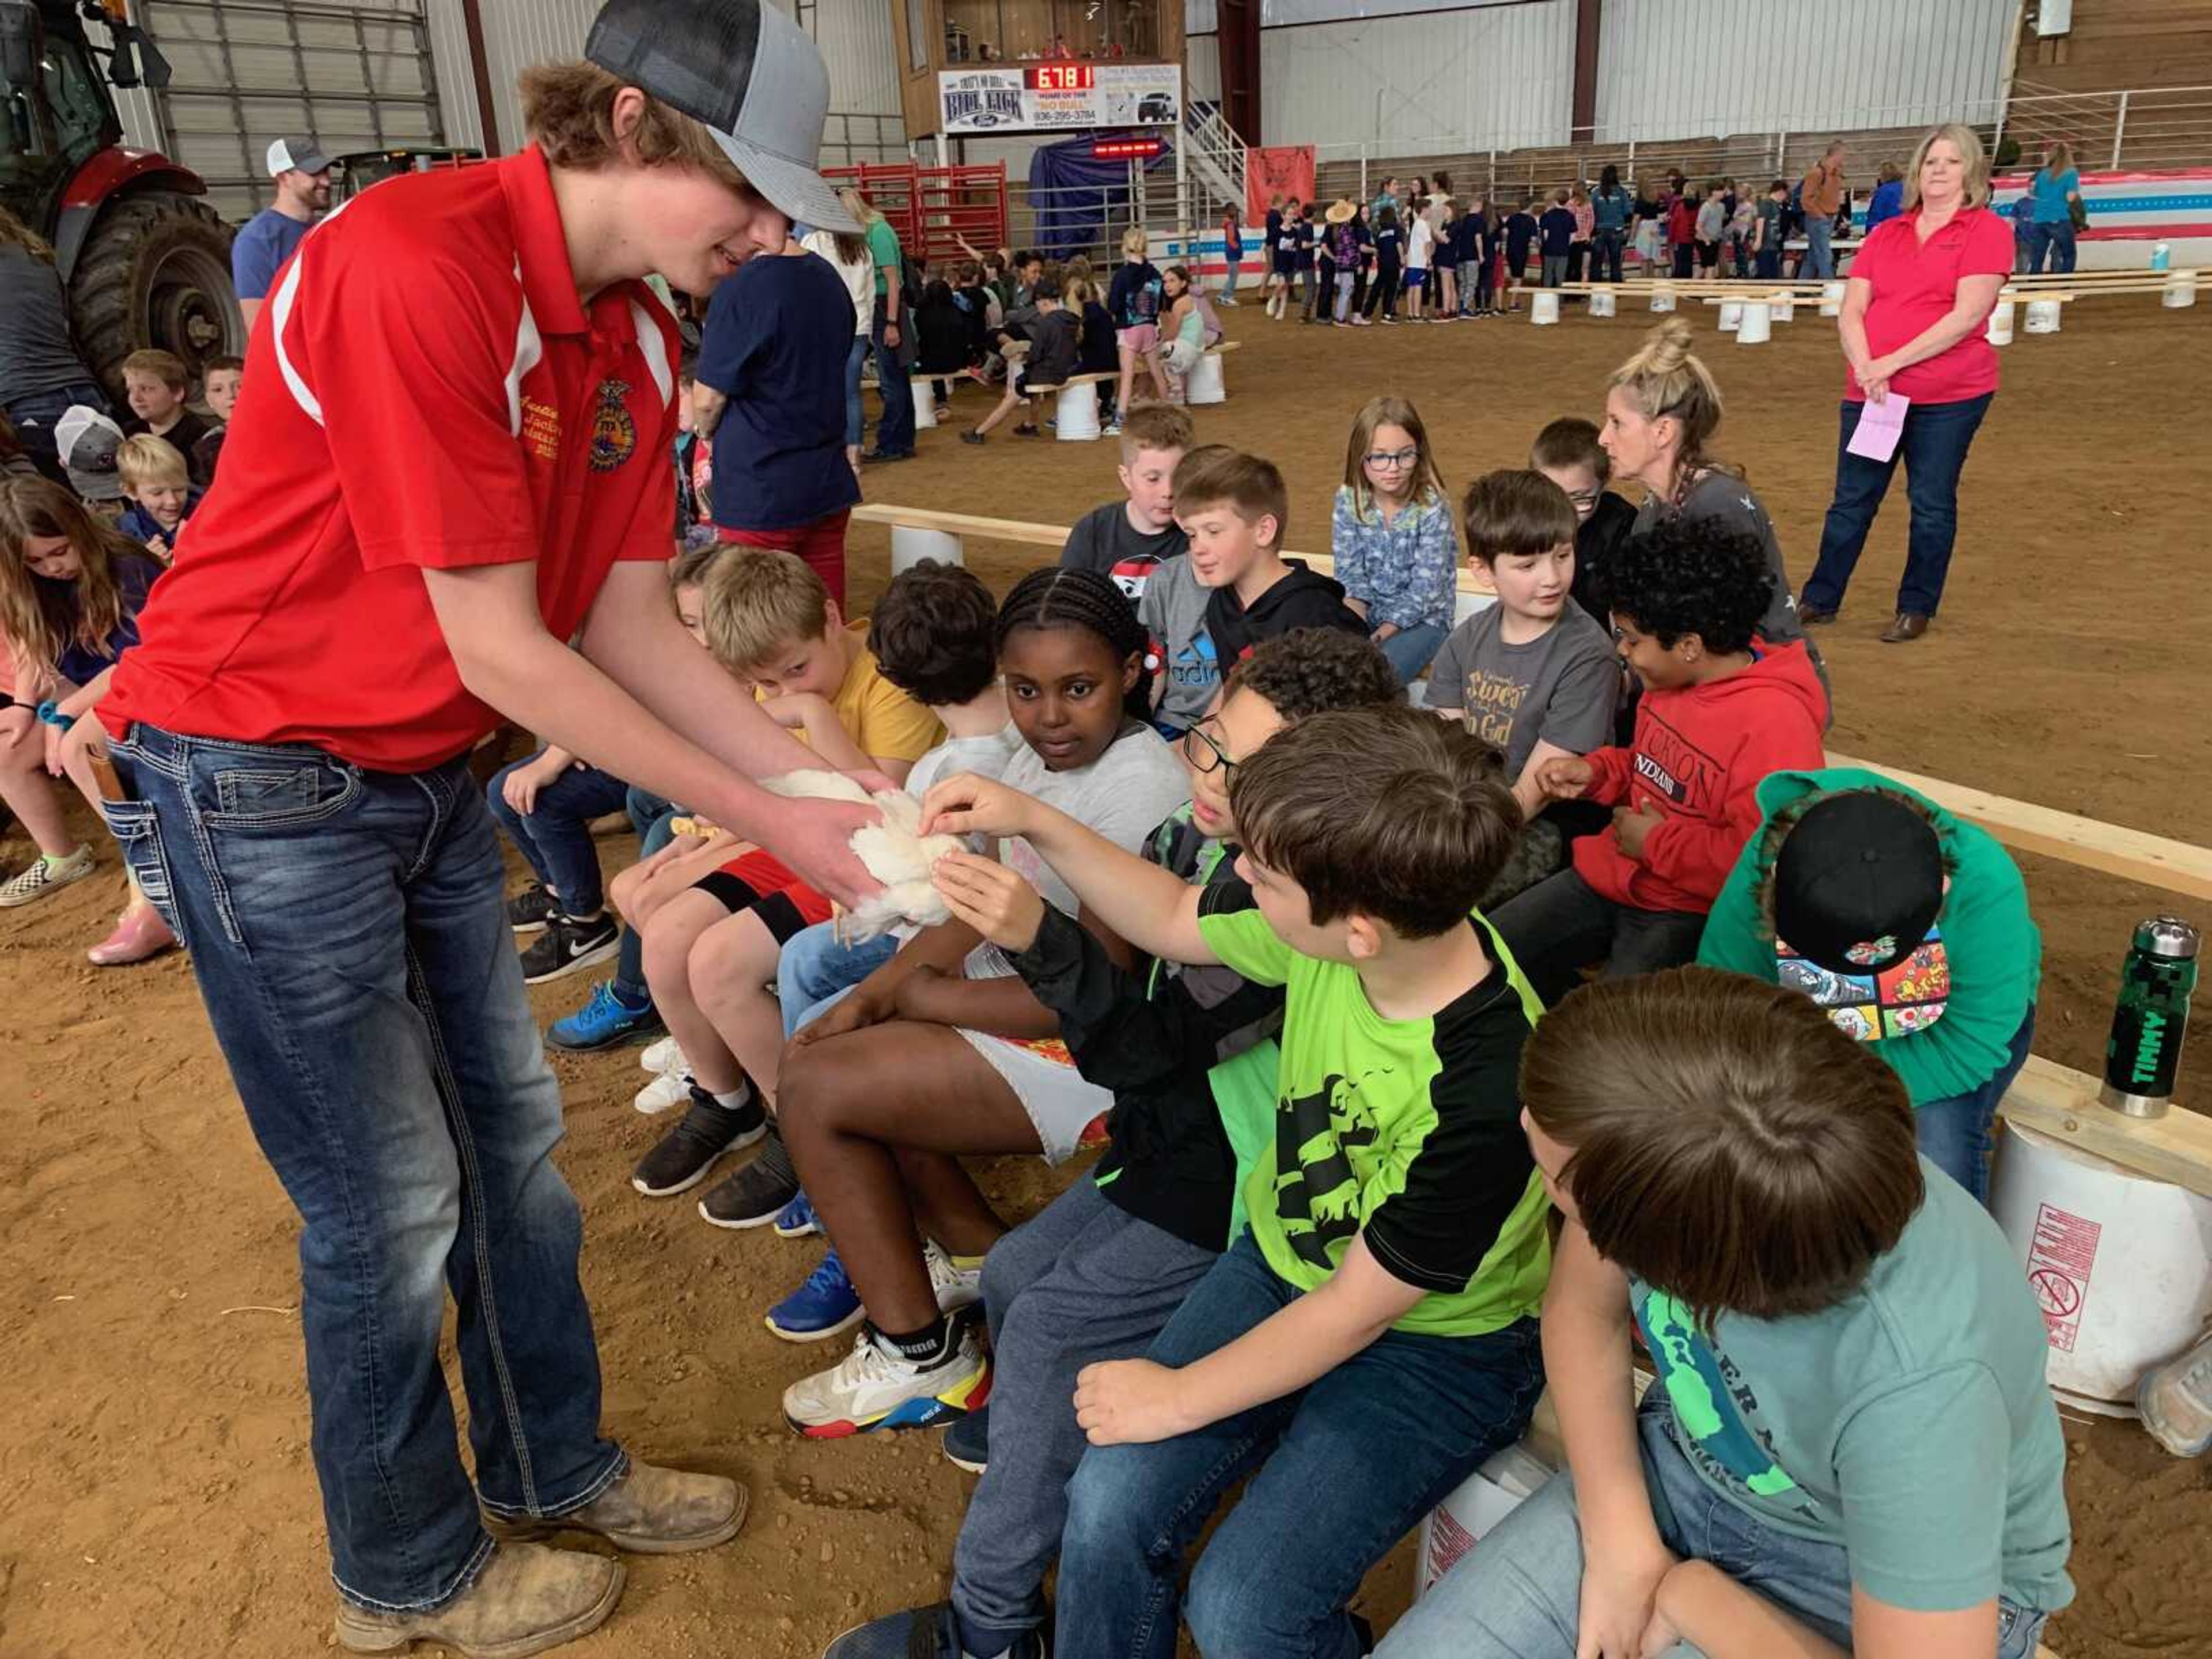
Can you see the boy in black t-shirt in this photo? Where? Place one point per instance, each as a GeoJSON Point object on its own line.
{"type": "Point", "coordinates": [1190, 1053]}
{"type": "Point", "coordinates": [1127, 540]}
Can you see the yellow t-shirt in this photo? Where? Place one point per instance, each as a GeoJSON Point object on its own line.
{"type": "Point", "coordinates": [881, 720]}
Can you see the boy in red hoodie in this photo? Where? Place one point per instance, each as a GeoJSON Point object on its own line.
{"type": "Point", "coordinates": [1721, 709]}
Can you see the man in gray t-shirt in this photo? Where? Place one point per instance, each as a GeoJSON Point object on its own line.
{"type": "Point", "coordinates": [1558, 688]}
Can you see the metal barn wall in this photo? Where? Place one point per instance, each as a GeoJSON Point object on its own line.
{"type": "Point", "coordinates": [1676, 68]}
{"type": "Point", "coordinates": [854, 36]}
{"type": "Point", "coordinates": [1202, 67]}
{"type": "Point", "coordinates": [1471, 78]}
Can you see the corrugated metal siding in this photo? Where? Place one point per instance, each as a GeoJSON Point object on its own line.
{"type": "Point", "coordinates": [1488, 76]}
{"type": "Point", "coordinates": [1670, 69]}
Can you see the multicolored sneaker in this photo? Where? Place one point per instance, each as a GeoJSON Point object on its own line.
{"type": "Point", "coordinates": [605, 1021]}
{"type": "Point", "coordinates": [872, 1387]}
{"type": "Point", "coordinates": [956, 1286]}
{"type": "Point", "coordinates": [825, 1305]}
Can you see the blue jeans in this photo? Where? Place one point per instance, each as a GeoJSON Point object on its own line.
{"type": "Point", "coordinates": [855, 359]}
{"type": "Point", "coordinates": [1954, 1132]}
{"type": "Point", "coordinates": [1409, 649]}
{"type": "Point", "coordinates": [349, 941]}
{"type": "Point", "coordinates": [1384, 1436]}
{"type": "Point", "coordinates": [2055, 239]}
{"type": "Point", "coordinates": [814, 967]}
{"type": "Point", "coordinates": [556, 840]}
{"type": "Point", "coordinates": [651, 816]}
{"type": "Point", "coordinates": [1768, 261]}
{"type": "Point", "coordinates": [1934, 451]}
{"type": "Point", "coordinates": [1515, 1595]}
{"type": "Point", "coordinates": [1819, 257]}
{"type": "Point", "coordinates": [1605, 256]}
{"type": "Point", "coordinates": [895, 431]}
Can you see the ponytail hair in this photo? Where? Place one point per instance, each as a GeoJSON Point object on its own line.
{"type": "Point", "coordinates": [1056, 597]}
{"type": "Point", "coordinates": [1666, 379]}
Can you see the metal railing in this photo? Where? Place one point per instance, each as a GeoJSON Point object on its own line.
{"type": "Point", "coordinates": [2148, 128]}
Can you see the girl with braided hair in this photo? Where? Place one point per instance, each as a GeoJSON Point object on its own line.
{"type": "Point", "coordinates": [943, 1052]}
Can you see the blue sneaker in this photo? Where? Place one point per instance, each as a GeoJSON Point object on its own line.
{"type": "Point", "coordinates": [606, 1020]}
{"type": "Point", "coordinates": [797, 1219]}
{"type": "Point", "coordinates": [823, 1306]}
{"type": "Point", "coordinates": [968, 1440]}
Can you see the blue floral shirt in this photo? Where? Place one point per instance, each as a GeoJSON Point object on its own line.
{"type": "Point", "coordinates": [1406, 572]}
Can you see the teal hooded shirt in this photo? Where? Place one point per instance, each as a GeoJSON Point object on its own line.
{"type": "Point", "coordinates": [1996, 953]}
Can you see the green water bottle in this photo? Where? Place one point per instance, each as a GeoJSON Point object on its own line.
{"type": "Point", "coordinates": [2144, 1051]}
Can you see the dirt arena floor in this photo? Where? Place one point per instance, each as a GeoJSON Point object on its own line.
{"type": "Point", "coordinates": [155, 1447]}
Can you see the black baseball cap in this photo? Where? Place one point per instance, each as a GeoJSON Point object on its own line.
{"type": "Point", "coordinates": [746, 71]}
{"type": "Point", "coordinates": [1858, 882]}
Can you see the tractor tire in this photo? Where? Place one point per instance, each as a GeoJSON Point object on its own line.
{"type": "Point", "coordinates": [156, 271]}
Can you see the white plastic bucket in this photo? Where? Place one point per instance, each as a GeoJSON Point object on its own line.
{"type": "Point", "coordinates": [1731, 315]}
{"type": "Point", "coordinates": [1475, 1506]}
{"type": "Point", "coordinates": [2001, 320]}
{"type": "Point", "coordinates": [1832, 300]}
{"type": "Point", "coordinates": [1075, 413]}
{"type": "Point", "coordinates": [1781, 306]}
{"type": "Point", "coordinates": [1662, 298]}
{"type": "Point", "coordinates": [1600, 302]}
{"type": "Point", "coordinates": [1544, 306]}
{"type": "Point", "coordinates": [2042, 316]}
{"type": "Point", "coordinates": [1205, 384]}
{"type": "Point", "coordinates": [925, 403]}
{"type": "Point", "coordinates": [2180, 291]}
{"type": "Point", "coordinates": [2120, 1264]}
{"type": "Point", "coordinates": [910, 544]}
{"type": "Point", "coordinates": [1756, 325]}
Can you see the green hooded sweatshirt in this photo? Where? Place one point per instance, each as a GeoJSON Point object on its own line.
{"type": "Point", "coordinates": [1996, 953]}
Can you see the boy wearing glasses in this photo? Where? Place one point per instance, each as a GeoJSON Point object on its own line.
{"type": "Point", "coordinates": [1191, 1056]}
{"type": "Point", "coordinates": [1234, 588]}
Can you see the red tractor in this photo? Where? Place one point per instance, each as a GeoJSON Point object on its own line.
{"type": "Point", "coordinates": [146, 260]}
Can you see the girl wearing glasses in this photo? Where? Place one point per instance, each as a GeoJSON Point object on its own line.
{"type": "Point", "coordinates": [1392, 535]}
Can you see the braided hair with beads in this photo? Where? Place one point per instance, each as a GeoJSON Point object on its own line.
{"type": "Point", "coordinates": [1058, 596]}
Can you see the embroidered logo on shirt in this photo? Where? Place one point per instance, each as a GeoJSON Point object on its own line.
{"type": "Point", "coordinates": [541, 429]}
{"type": "Point", "coordinates": [614, 429]}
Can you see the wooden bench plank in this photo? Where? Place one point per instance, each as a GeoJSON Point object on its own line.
{"type": "Point", "coordinates": [2056, 1101]}
{"type": "Point", "coordinates": [2153, 860]}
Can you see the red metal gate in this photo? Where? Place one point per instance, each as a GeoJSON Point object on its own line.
{"type": "Point", "coordinates": [933, 208]}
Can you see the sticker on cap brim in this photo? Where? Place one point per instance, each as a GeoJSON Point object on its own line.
{"type": "Point", "coordinates": [1907, 996]}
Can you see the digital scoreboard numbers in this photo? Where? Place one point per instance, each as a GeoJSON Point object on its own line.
{"type": "Point", "coordinates": [1062, 77]}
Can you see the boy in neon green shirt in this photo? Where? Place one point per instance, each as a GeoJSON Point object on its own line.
{"type": "Point", "coordinates": [1371, 1335]}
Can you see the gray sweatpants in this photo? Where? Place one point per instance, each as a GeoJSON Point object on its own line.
{"type": "Point", "coordinates": [1082, 1282]}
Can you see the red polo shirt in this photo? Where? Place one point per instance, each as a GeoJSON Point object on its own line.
{"type": "Point", "coordinates": [425, 390]}
{"type": "Point", "coordinates": [1915, 283]}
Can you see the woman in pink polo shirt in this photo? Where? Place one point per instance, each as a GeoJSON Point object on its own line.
{"type": "Point", "coordinates": [1920, 289]}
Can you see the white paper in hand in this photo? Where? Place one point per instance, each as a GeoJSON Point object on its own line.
{"type": "Point", "coordinates": [895, 852]}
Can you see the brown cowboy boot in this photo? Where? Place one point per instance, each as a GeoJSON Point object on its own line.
{"type": "Point", "coordinates": [649, 1512]}
{"type": "Point", "coordinates": [526, 1599]}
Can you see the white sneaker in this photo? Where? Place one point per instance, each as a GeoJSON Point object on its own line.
{"type": "Point", "coordinates": [664, 1055]}
{"type": "Point", "coordinates": [43, 878]}
{"type": "Point", "coordinates": [873, 1387]}
{"type": "Point", "coordinates": [956, 1287]}
{"type": "Point", "coordinates": [664, 1093]}
{"type": "Point", "coordinates": [2176, 1402]}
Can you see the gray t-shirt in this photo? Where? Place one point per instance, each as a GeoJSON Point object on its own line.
{"type": "Point", "coordinates": [1123, 795]}
{"type": "Point", "coordinates": [1105, 541]}
{"type": "Point", "coordinates": [1173, 609]}
{"type": "Point", "coordinates": [986, 756]}
{"type": "Point", "coordinates": [36, 351]}
{"type": "Point", "coordinates": [1561, 686]}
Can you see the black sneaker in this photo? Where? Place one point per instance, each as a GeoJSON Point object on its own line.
{"type": "Point", "coordinates": [568, 946]}
{"type": "Point", "coordinates": [755, 1196]}
{"type": "Point", "coordinates": [968, 1440]}
{"type": "Point", "coordinates": [921, 1633]}
{"type": "Point", "coordinates": [532, 909]}
{"type": "Point", "coordinates": [695, 1144]}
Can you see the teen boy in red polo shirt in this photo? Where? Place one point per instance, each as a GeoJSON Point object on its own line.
{"type": "Point", "coordinates": [449, 466]}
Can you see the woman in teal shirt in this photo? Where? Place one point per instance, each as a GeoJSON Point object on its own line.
{"type": "Point", "coordinates": [1910, 926]}
{"type": "Point", "coordinates": [2055, 190]}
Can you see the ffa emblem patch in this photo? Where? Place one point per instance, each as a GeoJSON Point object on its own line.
{"type": "Point", "coordinates": [614, 430]}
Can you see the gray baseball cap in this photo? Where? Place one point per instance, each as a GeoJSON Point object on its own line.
{"type": "Point", "coordinates": [744, 70]}
{"type": "Point", "coordinates": [87, 440]}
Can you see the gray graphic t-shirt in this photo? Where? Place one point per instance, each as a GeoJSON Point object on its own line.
{"type": "Point", "coordinates": [1561, 686]}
